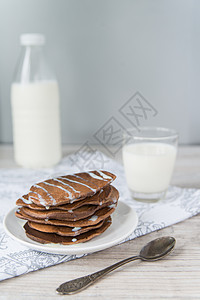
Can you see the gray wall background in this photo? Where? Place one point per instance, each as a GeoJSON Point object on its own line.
{"type": "Point", "coordinates": [102, 52]}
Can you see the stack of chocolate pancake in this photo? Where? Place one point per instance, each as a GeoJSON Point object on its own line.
{"type": "Point", "coordinates": [69, 209]}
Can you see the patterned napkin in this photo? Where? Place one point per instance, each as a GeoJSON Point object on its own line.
{"type": "Point", "coordinates": [16, 259]}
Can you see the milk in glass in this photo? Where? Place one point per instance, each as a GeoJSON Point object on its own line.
{"type": "Point", "coordinates": [149, 166]}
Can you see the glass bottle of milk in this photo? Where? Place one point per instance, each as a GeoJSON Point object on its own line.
{"type": "Point", "coordinates": [35, 107]}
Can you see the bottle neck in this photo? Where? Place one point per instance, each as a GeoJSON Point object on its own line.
{"type": "Point", "coordinates": [32, 66]}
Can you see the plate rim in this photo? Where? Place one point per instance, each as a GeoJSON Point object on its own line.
{"type": "Point", "coordinates": [71, 251]}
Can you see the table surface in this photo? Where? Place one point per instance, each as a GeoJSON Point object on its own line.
{"type": "Point", "coordinates": [175, 277]}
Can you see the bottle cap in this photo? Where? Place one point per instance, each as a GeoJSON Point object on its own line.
{"type": "Point", "coordinates": [31, 39]}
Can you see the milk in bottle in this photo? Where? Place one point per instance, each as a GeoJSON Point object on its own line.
{"type": "Point", "coordinates": [35, 108]}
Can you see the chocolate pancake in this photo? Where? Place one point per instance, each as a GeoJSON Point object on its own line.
{"type": "Point", "coordinates": [64, 230]}
{"type": "Point", "coordinates": [46, 238]}
{"type": "Point", "coordinates": [106, 195]}
{"type": "Point", "coordinates": [57, 214]}
{"type": "Point", "coordinates": [99, 215]}
{"type": "Point", "coordinates": [63, 189]}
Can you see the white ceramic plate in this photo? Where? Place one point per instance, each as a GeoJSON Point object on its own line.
{"type": "Point", "coordinates": [124, 221]}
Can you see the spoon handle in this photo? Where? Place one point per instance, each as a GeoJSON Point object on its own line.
{"type": "Point", "coordinates": [76, 285]}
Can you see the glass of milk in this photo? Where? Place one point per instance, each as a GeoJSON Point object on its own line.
{"type": "Point", "coordinates": [149, 155]}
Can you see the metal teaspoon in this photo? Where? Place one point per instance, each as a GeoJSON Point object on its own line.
{"type": "Point", "coordinates": [154, 250]}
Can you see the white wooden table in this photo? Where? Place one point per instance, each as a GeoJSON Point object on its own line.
{"type": "Point", "coordinates": [176, 277]}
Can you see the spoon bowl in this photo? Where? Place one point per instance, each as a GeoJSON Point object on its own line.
{"type": "Point", "coordinates": [157, 248]}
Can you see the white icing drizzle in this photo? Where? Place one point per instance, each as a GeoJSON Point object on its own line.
{"type": "Point", "coordinates": [47, 207]}
{"type": "Point", "coordinates": [93, 218]}
{"type": "Point", "coordinates": [59, 187]}
{"type": "Point", "coordinates": [76, 228]}
{"type": "Point", "coordinates": [100, 203]}
{"type": "Point", "coordinates": [112, 205]}
{"type": "Point", "coordinates": [56, 179]}
{"type": "Point", "coordinates": [71, 201]}
{"type": "Point", "coordinates": [70, 211]}
{"type": "Point", "coordinates": [74, 240]}
{"type": "Point", "coordinates": [27, 201]}
{"type": "Point", "coordinates": [84, 179]}
{"type": "Point", "coordinates": [47, 219]}
{"type": "Point", "coordinates": [94, 190]}
{"type": "Point", "coordinates": [96, 176]}
{"type": "Point", "coordinates": [41, 200]}
{"type": "Point", "coordinates": [105, 176]}
{"type": "Point", "coordinates": [31, 197]}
